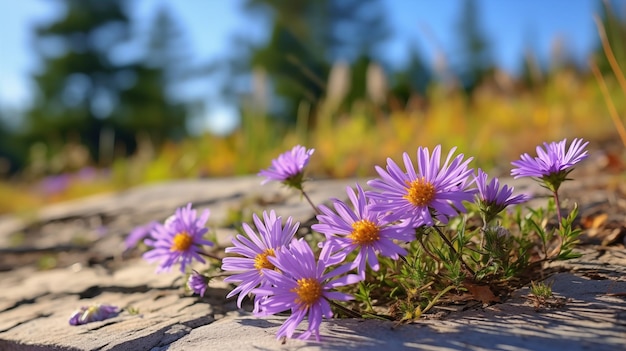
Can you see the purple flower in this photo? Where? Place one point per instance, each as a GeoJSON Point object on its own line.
{"type": "Point", "coordinates": [55, 184]}
{"type": "Point", "coordinates": [553, 164]}
{"type": "Point", "coordinates": [93, 313]}
{"type": "Point", "coordinates": [492, 199]}
{"type": "Point", "coordinates": [255, 249]}
{"type": "Point", "coordinates": [179, 240]}
{"type": "Point", "coordinates": [369, 232]}
{"type": "Point", "coordinates": [288, 168]}
{"type": "Point", "coordinates": [138, 233]}
{"type": "Point", "coordinates": [434, 190]}
{"type": "Point", "coordinates": [197, 283]}
{"type": "Point", "coordinates": [301, 286]}
{"type": "Point", "coordinates": [87, 174]}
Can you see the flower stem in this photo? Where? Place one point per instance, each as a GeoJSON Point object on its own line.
{"type": "Point", "coordinates": [434, 301]}
{"type": "Point", "coordinates": [210, 255]}
{"type": "Point", "coordinates": [346, 310]}
{"type": "Point", "coordinates": [308, 199]}
{"type": "Point", "coordinates": [426, 250]}
{"type": "Point", "coordinates": [449, 243]}
{"type": "Point", "coordinates": [557, 204]}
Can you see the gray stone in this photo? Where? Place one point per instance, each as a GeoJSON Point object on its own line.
{"type": "Point", "coordinates": [86, 238]}
{"type": "Point", "coordinates": [589, 319]}
{"type": "Point", "coordinates": [43, 303]}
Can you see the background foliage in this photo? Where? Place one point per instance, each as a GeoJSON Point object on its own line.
{"type": "Point", "coordinates": [102, 123]}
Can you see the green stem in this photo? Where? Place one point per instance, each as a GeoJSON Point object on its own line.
{"type": "Point", "coordinates": [434, 301]}
{"type": "Point", "coordinates": [421, 241]}
{"type": "Point", "coordinates": [345, 310]}
{"type": "Point", "coordinates": [308, 199]}
{"type": "Point", "coordinates": [210, 255]}
{"type": "Point", "coordinates": [449, 243]}
{"type": "Point", "coordinates": [557, 204]}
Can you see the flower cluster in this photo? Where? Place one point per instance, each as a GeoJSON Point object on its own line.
{"type": "Point", "coordinates": [283, 273]}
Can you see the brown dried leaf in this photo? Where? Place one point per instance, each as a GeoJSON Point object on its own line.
{"type": "Point", "coordinates": [614, 162]}
{"type": "Point", "coordinates": [482, 293]}
{"type": "Point", "coordinates": [461, 298]}
{"type": "Point", "coordinates": [593, 222]}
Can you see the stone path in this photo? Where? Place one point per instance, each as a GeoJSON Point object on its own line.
{"type": "Point", "coordinates": [84, 240]}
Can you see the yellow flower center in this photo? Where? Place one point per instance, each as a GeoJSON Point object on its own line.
{"type": "Point", "coordinates": [182, 242]}
{"type": "Point", "coordinates": [420, 192]}
{"type": "Point", "coordinates": [309, 291]}
{"type": "Point", "coordinates": [261, 261]}
{"type": "Point", "coordinates": [364, 232]}
{"type": "Point", "coordinates": [91, 310]}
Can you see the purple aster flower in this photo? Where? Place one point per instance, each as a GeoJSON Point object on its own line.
{"type": "Point", "coordinates": [179, 240]}
{"type": "Point", "coordinates": [138, 233]}
{"type": "Point", "coordinates": [93, 313]}
{"type": "Point", "coordinates": [288, 168]}
{"type": "Point", "coordinates": [553, 164]}
{"type": "Point", "coordinates": [369, 232]}
{"type": "Point", "coordinates": [300, 285]}
{"type": "Point", "coordinates": [492, 199]}
{"type": "Point", "coordinates": [197, 283]}
{"type": "Point", "coordinates": [55, 184]}
{"type": "Point", "coordinates": [255, 249]}
{"type": "Point", "coordinates": [433, 189]}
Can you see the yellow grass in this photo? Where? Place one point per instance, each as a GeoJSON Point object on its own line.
{"type": "Point", "coordinates": [494, 127]}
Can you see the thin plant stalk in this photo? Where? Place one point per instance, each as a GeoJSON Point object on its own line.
{"type": "Point", "coordinates": [617, 71]}
{"type": "Point", "coordinates": [210, 255]}
{"type": "Point", "coordinates": [619, 125]}
{"type": "Point", "coordinates": [610, 55]}
{"type": "Point", "coordinates": [308, 199]}
{"type": "Point", "coordinates": [436, 298]}
{"type": "Point", "coordinates": [449, 243]}
{"type": "Point", "coordinates": [557, 204]}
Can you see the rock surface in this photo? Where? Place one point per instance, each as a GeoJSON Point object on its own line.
{"type": "Point", "coordinates": [84, 241]}
{"type": "Point", "coordinates": [590, 319]}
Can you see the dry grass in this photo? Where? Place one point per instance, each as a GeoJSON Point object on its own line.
{"type": "Point", "coordinates": [494, 127]}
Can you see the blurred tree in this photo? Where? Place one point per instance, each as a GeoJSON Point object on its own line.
{"type": "Point", "coordinates": [613, 18]}
{"type": "Point", "coordinates": [78, 85]}
{"type": "Point", "coordinates": [306, 38]}
{"type": "Point", "coordinates": [531, 73]}
{"type": "Point", "coordinates": [11, 150]}
{"type": "Point", "coordinates": [89, 91]}
{"type": "Point", "coordinates": [151, 106]}
{"type": "Point", "coordinates": [474, 56]}
{"type": "Point", "coordinates": [414, 78]}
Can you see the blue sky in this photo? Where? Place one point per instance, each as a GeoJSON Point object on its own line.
{"type": "Point", "coordinates": [511, 26]}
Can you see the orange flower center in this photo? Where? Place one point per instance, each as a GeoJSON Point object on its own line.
{"type": "Point", "coordinates": [420, 192]}
{"type": "Point", "coordinates": [261, 261]}
{"type": "Point", "coordinates": [182, 242]}
{"type": "Point", "coordinates": [309, 291]}
{"type": "Point", "coordinates": [364, 232]}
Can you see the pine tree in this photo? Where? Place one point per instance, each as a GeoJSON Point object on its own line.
{"type": "Point", "coordinates": [77, 88]}
{"type": "Point", "coordinates": [306, 38]}
{"type": "Point", "coordinates": [150, 106]}
{"type": "Point", "coordinates": [474, 54]}
{"type": "Point", "coordinates": [89, 87]}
